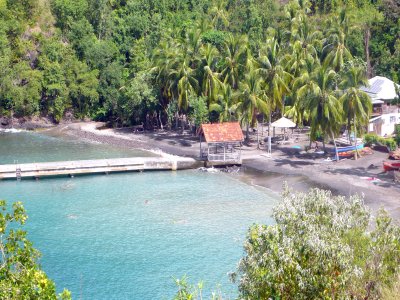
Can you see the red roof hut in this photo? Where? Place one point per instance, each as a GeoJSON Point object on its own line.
{"type": "Point", "coordinates": [224, 142]}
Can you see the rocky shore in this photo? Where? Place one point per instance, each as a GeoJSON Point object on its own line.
{"type": "Point", "coordinates": [25, 123]}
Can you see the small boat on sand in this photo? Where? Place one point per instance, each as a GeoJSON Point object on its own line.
{"type": "Point", "coordinates": [347, 154]}
{"type": "Point", "coordinates": [349, 148]}
{"type": "Point", "coordinates": [391, 166]}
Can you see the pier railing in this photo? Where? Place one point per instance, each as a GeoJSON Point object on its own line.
{"type": "Point", "coordinates": [235, 156]}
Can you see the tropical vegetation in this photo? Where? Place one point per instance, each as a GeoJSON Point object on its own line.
{"type": "Point", "coordinates": [161, 63]}
{"type": "Point", "coordinates": [20, 274]}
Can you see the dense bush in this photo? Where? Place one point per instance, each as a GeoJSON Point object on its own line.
{"type": "Point", "coordinates": [391, 143]}
{"type": "Point", "coordinates": [397, 132]}
{"type": "Point", "coordinates": [320, 248]}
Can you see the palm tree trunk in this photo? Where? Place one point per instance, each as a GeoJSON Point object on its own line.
{"type": "Point", "coordinates": [159, 118]}
{"type": "Point", "coordinates": [334, 143]}
{"type": "Point", "coordinates": [349, 129]}
{"type": "Point", "coordinates": [355, 138]}
{"type": "Point", "coordinates": [367, 36]}
{"type": "Point", "coordinates": [269, 123]}
{"type": "Point", "coordinates": [323, 144]}
{"type": "Point", "coordinates": [247, 132]}
{"type": "Point", "coordinates": [258, 138]}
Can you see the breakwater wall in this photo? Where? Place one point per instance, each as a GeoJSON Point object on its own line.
{"type": "Point", "coordinates": [95, 166]}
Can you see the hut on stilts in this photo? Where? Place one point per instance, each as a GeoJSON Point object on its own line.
{"type": "Point", "coordinates": [221, 143]}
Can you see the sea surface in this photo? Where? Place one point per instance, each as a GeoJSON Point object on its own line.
{"type": "Point", "coordinates": [128, 235]}
{"type": "Point", "coordinates": [27, 147]}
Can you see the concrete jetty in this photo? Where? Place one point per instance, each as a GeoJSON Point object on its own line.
{"type": "Point", "coordinates": [95, 166]}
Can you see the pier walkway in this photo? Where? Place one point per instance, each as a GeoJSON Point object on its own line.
{"type": "Point", "coordinates": [70, 168]}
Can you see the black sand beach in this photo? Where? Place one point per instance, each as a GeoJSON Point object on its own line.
{"type": "Point", "coordinates": [300, 171]}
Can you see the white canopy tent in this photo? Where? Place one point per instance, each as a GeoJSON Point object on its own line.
{"type": "Point", "coordinates": [283, 123]}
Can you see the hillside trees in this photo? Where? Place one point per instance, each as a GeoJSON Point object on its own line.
{"type": "Point", "coordinates": [40, 74]}
{"type": "Point", "coordinates": [211, 42]}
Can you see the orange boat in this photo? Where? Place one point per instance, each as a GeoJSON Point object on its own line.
{"type": "Point", "coordinates": [391, 166]}
{"type": "Point", "coordinates": [347, 154]}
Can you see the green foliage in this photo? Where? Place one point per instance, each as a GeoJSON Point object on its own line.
{"type": "Point", "coordinates": [397, 134]}
{"type": "Point", "coordinates": [139, 100]}
{"type": "Point", "coordinates": [370, 138]}
{"type": "Point", "coordinates": [321, 247]}
{"type": "Point", "coordinates": [214, 37]}
{"type": "Point", "coordinates": [198, 110]}
{"type": "Point", "coordinates": [392, 292]}
{"type": "Point", "coordinates": [20, 274]}
{"type": "Point", "coordinates": [58, 55]}
{"type": "Point", "coordinates": [391, 143]}
{"type": "Point", "coordinates": [186, 291]}
{"type": "Point", "coordinates": [68, 11]}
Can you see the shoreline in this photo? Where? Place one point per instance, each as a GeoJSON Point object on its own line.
{"type": "Point", "coordinates": [300, 171]}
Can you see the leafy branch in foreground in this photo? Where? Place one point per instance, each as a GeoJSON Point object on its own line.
{"type": "Point", "coordinates": [186, 291]}
{"type": "Point", "coordinates": [20, 273]}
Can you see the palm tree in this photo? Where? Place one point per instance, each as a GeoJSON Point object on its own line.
{"type": "Point", "coordinates": [236, 53]}
{"type": "Point", "coordinates": [305, 44]}
{"type": "Point", "coordinates": [164, 60]}
{"type": "Point", "coordinates": [219, 13]}
{"type": "Point", "coordinates": [251, 99]}
{"type": "Point", "coordinates": [296, 109]}
{"type": "Point", "coordinates": [225, 105]}
{"type": "Point", "coordinates": [356, 103]}
{"type": "Point", "coordinates": [319, 99]}
{"type": "Point", "coordinates": [270, 67]}
{"type": "Point", "coordinates": [183, 83]}
{"type": "Point", "coordinates": [209, 79]}
{"type": "Point", "coordinates": [335, 52]}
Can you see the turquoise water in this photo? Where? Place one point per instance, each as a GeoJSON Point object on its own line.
{"type": "Point", "coordinates": [124, 236]}
{"type": "Point", "coordinates": [26, 147]}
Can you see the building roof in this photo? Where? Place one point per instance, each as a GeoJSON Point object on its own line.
{"type": "Point", "coordinates": [222, 132]}
{"type": "Point", "coordinates": [380, 88]}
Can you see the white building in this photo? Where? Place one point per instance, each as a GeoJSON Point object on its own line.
{"type": "Point", "coordinates": [384, 125]}
{"type": "Point", "coordinates": [384, 115]}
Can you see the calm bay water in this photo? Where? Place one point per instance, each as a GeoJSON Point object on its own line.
{"type": "Point", "coordinates": [27, 147]}
{"type": "Point", "coordinates": [124, 236]}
